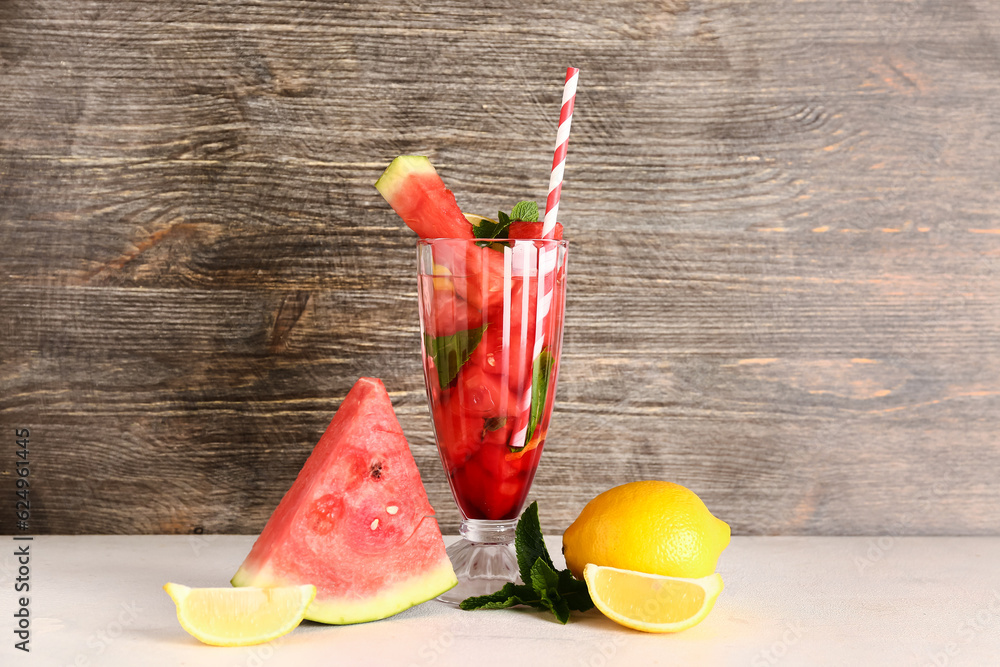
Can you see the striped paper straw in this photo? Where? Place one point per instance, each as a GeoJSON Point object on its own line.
{"type": "Point", "coordinates": [546, 264]}
{"type": "Point", "coordinates": [559, 158]}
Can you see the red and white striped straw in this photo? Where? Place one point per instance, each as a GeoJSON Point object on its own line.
{"type": "Point", "coordinates": [545, 274]}
{"type": "Point", "coordinates": [559, 158]}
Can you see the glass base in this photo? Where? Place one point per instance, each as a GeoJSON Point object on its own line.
{"type": "Point", "coordinates": [484, 559]}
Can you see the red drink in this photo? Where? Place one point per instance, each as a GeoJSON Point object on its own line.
{"type": "Point", "coordinates": [490, 394]}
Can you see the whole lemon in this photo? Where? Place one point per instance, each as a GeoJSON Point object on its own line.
{"type": "Point", "coordinates": [652, 526]}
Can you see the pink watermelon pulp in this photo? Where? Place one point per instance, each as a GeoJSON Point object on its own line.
{"type": "Point", "coordinates": [413, 188]}
{"type": "Point", "coordinates": [356, 522]}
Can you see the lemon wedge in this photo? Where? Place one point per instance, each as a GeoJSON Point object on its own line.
{"type": "Point", "coordinates": [651, 602]}
{"type": "Point", "coordinates": [240, 616]}
{"type": "Point", "coordinates": [475, 220]}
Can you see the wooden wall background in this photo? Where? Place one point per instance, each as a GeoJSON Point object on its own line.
{"type": "Point", "coordinates": [785, 248]}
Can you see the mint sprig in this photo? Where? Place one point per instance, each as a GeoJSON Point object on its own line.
{"type": "Point", "coordinates": [451, 352]}
{"type": "Point", "coordinates": [545, 587]}
{"type": "Point", "coordinates": [488, 229]}
{"type": "Point", "coordinates": [523, 211]}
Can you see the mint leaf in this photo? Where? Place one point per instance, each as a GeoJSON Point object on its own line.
{"type": "Point", "coordinates": [451, 352]}
{"type": "Point", "coordinates": [574, 592]}
{"type": "Point", "coordinates": [488, 229]}
{"type": "Point", "coordinates": [529, 542]}
{"type": "Point", "coordinates": [510, 595]}
{"type": "Point", "coordinates": [526, 211]}
{"type": "Point", "coordinates": [543, 577]}
{"type": "Point", "coordinates": [494, 423]}
{"type": "Point", "coordinates": [545, 582]}
{"type": "Point", "coordinates": [552, 601]}
{"type": "Point", "coordinates": [540, 374]}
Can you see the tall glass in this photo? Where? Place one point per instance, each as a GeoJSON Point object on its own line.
{"type": "Point", "coordinates": [491, 323]}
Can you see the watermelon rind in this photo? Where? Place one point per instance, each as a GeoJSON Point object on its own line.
{"type": "Point", "coordinates": [395, 175]}
{"type": "Point", "coordinates": [387, 603]}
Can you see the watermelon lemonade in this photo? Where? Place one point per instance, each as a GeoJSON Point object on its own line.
{"type": "Point", "coordinates": [490, 395]}
{"type": "Point", "coordinates": [491, 299]}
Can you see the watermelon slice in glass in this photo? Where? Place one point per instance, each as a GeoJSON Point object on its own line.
{"type": "Point", "coordinates": [413, 188]}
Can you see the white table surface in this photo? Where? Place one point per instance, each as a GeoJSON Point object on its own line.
{"type": "Point", "coordinates": [97, 600]}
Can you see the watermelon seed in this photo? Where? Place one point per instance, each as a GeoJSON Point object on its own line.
{"type": "Point", "coordinates": [374, 524]}
{"type": "Point", "coordinates": [376, 470]}
{"type": "Point", "coordinates": [391, 509]}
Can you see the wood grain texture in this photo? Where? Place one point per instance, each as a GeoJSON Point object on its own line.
{"type": "Point", "coordinates": [784, 227]}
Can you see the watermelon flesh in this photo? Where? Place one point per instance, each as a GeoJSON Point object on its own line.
{"type": "Point", "coordinates": [532, 230]}
{"type": "Point", "coordinates": [356, 523]}
{"type": "Point", "coordinates": [413, 188]}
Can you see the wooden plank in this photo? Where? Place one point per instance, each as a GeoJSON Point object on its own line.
{"type": "Point", "coordinates": [785, 264]}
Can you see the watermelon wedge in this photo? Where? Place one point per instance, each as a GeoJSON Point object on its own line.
{"type": "Point", "coordinates": [413, 188]}
{"type": "Point", "coordinates": [356, 523]}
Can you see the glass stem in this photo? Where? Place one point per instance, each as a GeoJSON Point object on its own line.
{"type": "Point", "coordinates": [480, 531]}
